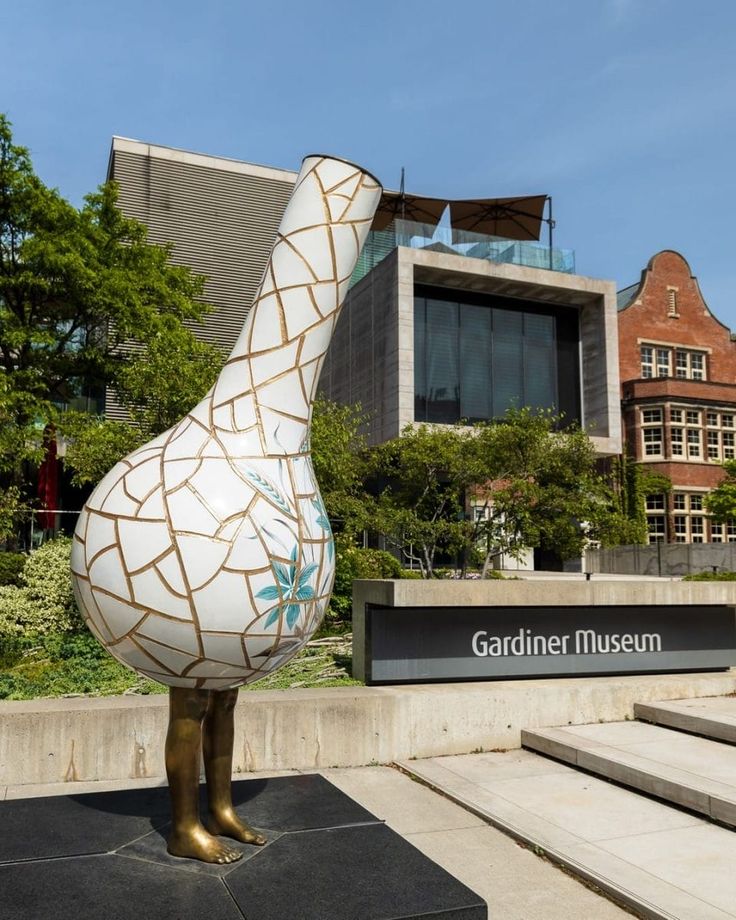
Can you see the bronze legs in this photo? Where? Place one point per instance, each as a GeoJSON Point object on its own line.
{"type": "Point", "coordinates": [202, 720]}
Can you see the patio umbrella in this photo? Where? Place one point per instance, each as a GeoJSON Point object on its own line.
{"type": "Point", "coordinates": [400, 206]}
{"type": "Point", "coordinates": [510, 218]}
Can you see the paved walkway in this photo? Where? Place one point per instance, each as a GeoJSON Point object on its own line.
{"type": "Point", "coordinates": [516, 883]}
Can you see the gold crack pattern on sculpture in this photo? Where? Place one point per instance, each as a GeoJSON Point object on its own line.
{"type": "Point", "coordinates": [205, 558]}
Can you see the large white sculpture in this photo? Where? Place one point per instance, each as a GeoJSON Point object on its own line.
{"type": "Point", "coordinates": [205, 559]}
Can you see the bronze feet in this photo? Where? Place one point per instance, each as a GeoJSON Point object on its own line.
{"type": "Point", "coordinates": [228, 824]}
{"type": "Point", "coordinates": [197, 843]}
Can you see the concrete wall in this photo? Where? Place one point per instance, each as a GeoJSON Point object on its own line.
{"type": "Point", "coordinates": [83, 740]}
{"type": "Point", "coordinates": [666, 559]}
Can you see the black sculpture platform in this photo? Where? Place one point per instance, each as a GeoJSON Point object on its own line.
{"type": "Point", "coordinates": [102, 856]}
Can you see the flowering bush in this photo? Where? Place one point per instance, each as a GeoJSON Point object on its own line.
{"type": "Point", "coordinates": [44, 601]}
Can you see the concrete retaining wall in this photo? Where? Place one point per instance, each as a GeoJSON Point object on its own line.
{"type": "Point", "coordinates": [81, 740]}
{"type": "Point", "coordinates": [665, 559]}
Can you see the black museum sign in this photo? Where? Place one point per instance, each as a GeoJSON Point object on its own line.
{"type": "Point", "coordinates": [411, 644]}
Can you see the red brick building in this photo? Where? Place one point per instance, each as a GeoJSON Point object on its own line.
{"type": "Point", "coordinates": [678, 391]}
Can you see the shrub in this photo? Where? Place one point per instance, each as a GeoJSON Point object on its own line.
{"type": "Point", "coordinates": [711, 576]}
{"type": "Point", "coordinates": [353, 562]}
{"type": "Point", "coordinates": [44, 601]}
{"type": "Point", "coordinates": [11, 567]}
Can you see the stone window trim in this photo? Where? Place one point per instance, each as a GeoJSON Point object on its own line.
{"type": "Point", "coordinates": [683, 346]}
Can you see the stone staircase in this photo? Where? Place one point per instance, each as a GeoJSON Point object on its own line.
{"type": "Point", "coordinates": [643, 809]}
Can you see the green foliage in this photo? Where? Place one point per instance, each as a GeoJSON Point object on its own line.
{"type": "Point", "coordinates": [339, 458]}
{"type": "Point", "coordinates": [95, 444]}
{"type": "Point", "coordinates": [720, 503]}
{"type": "Point", "coordinates": [44, 601]}
{"type": "Point", "coordinates": [11, 568]}
{"type": "Point", "coordinates": [85, 302]}
{"type": "Point", "coordinates": [711, 576]}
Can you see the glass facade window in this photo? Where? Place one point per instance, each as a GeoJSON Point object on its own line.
{"type": "Point", "coordinates": [477, 357]}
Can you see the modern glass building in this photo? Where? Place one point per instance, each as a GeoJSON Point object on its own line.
{"type": "Point", "coordinates": [443, 329]}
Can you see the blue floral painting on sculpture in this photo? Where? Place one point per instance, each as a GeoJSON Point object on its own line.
{"type": "Point", "coordinates": [293, 585]}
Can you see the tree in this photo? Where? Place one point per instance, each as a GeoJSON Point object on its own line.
{"type": "Point", "coordinates": [496, 488]}
{"type": "Point", "coordinates": [423, 475]}
{"type": "Point", "coordinates": [80, 290]}
{"type": "Point", "coordinates": [720, 503]}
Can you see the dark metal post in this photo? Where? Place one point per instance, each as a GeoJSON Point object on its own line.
{"type": "Point", "coordinates": [550, 226]}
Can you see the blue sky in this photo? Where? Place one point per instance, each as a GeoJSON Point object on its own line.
{"type": "Point", "coordinates": [623, 110]}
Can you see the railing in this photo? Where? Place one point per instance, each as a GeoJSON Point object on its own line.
{"type": "Point", "coordinates": [381, 243]}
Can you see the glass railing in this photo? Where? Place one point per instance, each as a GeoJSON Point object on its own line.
{"type": "Point", "coordinates": [460, 243]}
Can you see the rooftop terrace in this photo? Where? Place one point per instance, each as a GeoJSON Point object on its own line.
{"type": "Point", "coordinates": [440, 238]}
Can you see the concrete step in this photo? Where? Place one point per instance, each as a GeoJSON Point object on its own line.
{"type": "Point", "coordinates": [694, 773]}
{"type": "Point", "coordinates": [713, 717]}
{"type": "Point", "coordinates": [657, 860]}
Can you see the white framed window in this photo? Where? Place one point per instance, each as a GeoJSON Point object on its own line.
{"type": "Point", "coordinates": [647, 361]}
{"type": "Point", "coordinates": [697, 365]}
{"type": "Point", "coordinates": [714, 449]}
{"type": "Point", "coordinates": [693, 417]}
{"type": "Point", "coordinates": [652, 442]}
{"type": "Point", "coordinates": [656, 526]}
{"type": "Point", "coordinates": [697, 529]}
{"type": "Point", "coordinates": [712, 419]}
{"type": "Point", "coordinates": [680, 523]}
{"type": "Point", "coordinates": [726, 420]}
{"type": "Point", "coordinates": [679, 501]}
{"type": "Point", "coordinates": [656, 502]}
{"type": "Point", "coordinates": [651, 416]}
{"type": "Point", "coordinates": [681, 364]}
{"type": "Point", "coordinates": [676, 442]}
{"type": "Point", "coordinates": [693, 443]}
{"type": "Point", "coordinates": [664, 365]}
{"type": "Point", "coordinates": [676, 415]}
{"type": "Point", "coordinates": [728, 445]}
